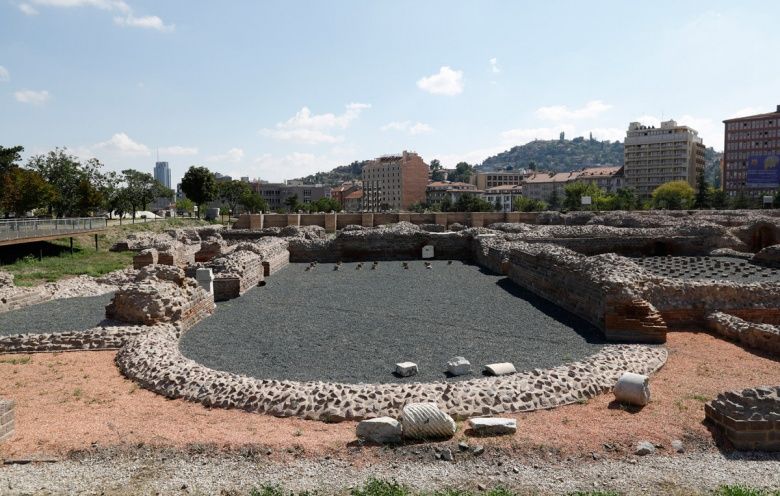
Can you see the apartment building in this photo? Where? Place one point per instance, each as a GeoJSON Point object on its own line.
{"type": "Point", "coordinates": [751, 155]}
{"type": "Point", "coordinates": [541, 186]}
{"type": "Point", "coordinates": [503, 197]}
{"type": "Point", "coordinates": [438, 191]}
{"type": "Point", "coordinates": [339, 193]}
{"type": "Point", "coordinates": [353, 201]}
{"type": "Point", "coordinates": [654, 156]}
{"type": "Point", "coordinates": [485, 180]}
{"type": "Point", "coordinates": [276, 193]}
{"type": "Point", "coordinates": [394, 182]}
{"type": "Point", "coordinates": [608, 178]}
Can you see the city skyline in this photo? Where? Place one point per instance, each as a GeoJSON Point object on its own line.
{"type": "Point", "coordinates": [301, 95]}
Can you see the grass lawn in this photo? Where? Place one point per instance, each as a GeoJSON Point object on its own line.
{"type": "Point", "coordinates": [36, 263]}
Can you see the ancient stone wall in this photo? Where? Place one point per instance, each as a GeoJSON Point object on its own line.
{"type": "Point", "coordinates": [145, 257]}
{"type": "Point", "coordinates": [7, 419]}
{"type": "Point", "coordinates": [107, 336]}
{"type": "Point", "coordinates": [756, 335]}
{"type": "Point", "coordinates": [235, 273]}
{"type": "Point", "coordinates": [749, 419]}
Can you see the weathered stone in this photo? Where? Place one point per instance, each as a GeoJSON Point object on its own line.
{"type": "Point", "coordinates": [426, 421]}
{"type": "Point", "coordinates": [458, 366]}
{"type": "Point", "coordinates": [503, 368]}
{"type": "Point", "coordinates": [493, 426]}
{"type": "Point", "coordinates": [633, 389]}
{"type": "Point", "coordinates": [644, 448]}
{"type": "Point", "coordinates": [406, 369]}
{"type": "Point", "coordinates": [381, 430]}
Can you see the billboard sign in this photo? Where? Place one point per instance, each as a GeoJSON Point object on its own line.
{"type": "Point", "coordinates": [763, 171]}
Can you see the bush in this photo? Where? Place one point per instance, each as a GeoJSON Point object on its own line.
{"type": "Point", "coordinates": [674, 195]}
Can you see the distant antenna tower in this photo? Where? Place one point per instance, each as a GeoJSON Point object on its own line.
{"type": "Point", "coordinates": [158, 153]}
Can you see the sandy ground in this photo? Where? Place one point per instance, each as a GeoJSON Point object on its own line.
{"type": "Point", "coordinates": [79, 401]}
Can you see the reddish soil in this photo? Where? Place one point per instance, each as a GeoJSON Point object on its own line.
{"type": "Point", "coordinates": [79, 400]}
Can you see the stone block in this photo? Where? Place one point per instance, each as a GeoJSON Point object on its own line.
{"type": "Point", "coordinates": [426, 421]}
{"type": "Point", "coordinates": [503, 368]}
{"type": "Point", "coordinates": [633, 389]}
{"type": "Point", "coordinates": [493, 426]}
{"type": "Point", "coordinates": [458, 366]}
{"type": "Point", "coordinates": [406, 369]}
{"type": "Point", "coordinates": [205, 278]}
{"type": "Point", "coordinates": [427, 251]}
{"type": "Point", "coordinates": [381, 430]}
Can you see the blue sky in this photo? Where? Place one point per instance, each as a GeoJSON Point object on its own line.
{"type": "Point", "coordinates": [277, 90]}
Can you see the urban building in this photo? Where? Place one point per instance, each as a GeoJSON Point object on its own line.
{"type": "Point", "coordinates": [277, 193]}
{"type": "Point", "coordinates": [654, 156]}
{"type": "Point", "coordinates": [751, 155]}
{"type": "Point", "coordinates": [394, 182]}
{"type": "Point", "coordinates": [608, 178]}
{"type": "Point", "coordinates": [503, 197]}
{"type": "Point", "coordinates": [540, 186]}
{"type": "Point", "coordinates": [486, 180]}
{"type": "Point", "coordinates": [162, 173]}
{"type": "Point", "coordinates": [438, 191]}
{"type": "Point", "coordinates": [339, 193]}
{"type": "Point", "coordinates": [353, 201]}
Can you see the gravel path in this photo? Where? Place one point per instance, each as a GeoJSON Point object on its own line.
{"type": "Point", "coordinates": [655, 475]}
{"type": "Point", "coordinates": [68, 314]}
{"type": "Point", "coordinates": [719, 268]}
{"type": "Point", "coordinates": [353, 325]}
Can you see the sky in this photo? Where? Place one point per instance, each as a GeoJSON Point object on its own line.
{"type": "Point", "coordinates": [278, 90]}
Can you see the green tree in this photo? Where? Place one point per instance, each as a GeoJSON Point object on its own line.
{"type": "Point", "coordinates": [674, 195]}
{"type": "Point", "coordinates": [740, 201]}
{"type": "Point", "coordinates": [200, 186]}
{"type": "Point", "coordinates": [418, 207]}
{"type": "Point", "coordinates": [23, 190]}
{"type": "Point", "coordinates": [10, 158]}
{"type": "Point", "coordinates": [555, 200]}
{"type": "Point", "coordinates": [253, 202]}
{"type": "Point", "coordinates": [185, 205]}
{"type": "Point", "coordinates": [65, 173]}
{"type": "Point", "coordinates": [231, 193]}
{"type": "Point", "coordinates": [437, 172]}
{"type": "Point", "coordinates": [141, 189]}
{"type": "Point", "coordinates": [292, 203]}
{"type": "Point", "coordinates": [576, 190]}
{"type": "Point", "coordinates": [703, 199]}
{"type": "Point", "coordinates": [463, 172]}
{"type": "Point", "coordinates": [524, 204]}
{"type": "Point", "coordinates": [471, 203]}
{"type": "Point", "coordinates": [718, 198]}
{"type": "Point", "coordinates": [326, 204]}
{"type": "Point", "coordinates": [626, 199]}
{"type": "Point", "coordinates": [90, 198]}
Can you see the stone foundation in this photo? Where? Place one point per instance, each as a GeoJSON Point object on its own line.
{"type": "Point", "coordinates": [749, 419]}
{"type": "Point", "coordinates": [236, 273]}
{"type": "Point", "coordinates": [763, 337]}
{"type": "Point", "coordinates": [7, 419]}
{"type": "Point", "coordinates": [145, 257]}
{"type": "Point", "coordinates": [108, 336]}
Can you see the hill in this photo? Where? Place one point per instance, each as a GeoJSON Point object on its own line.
{"type": "Point", "coordinates": [338, 175]}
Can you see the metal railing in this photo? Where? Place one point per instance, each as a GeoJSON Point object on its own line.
{"type": "Point", "coordinates": [33, 228]}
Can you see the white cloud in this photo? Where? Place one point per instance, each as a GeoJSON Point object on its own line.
{"type": "Point", "coordinates": [591, 110]}
{"type": "Point", "coordinates": [477, 156]}
{"type": "Point", "coordinates": [127, 17]}
{"type": "Point", "coordinates": [407, 127]}
{"type": "Point", "coordinates": [147, 22]}
{"type": "Point", "coordinates": [446, 82]}
{"type": "Point", "coordinates": [32, 97]}
{"type": "Point", "coordinates": [5, 76]}
{"type": "Point", "coordinates": [522, 136]}
{"type": "Point", "coordinates": [233, 155]}
{"type": "Point", "coordinates": [494, 65]}
{"type": "Point", "coordinates": [607, 133]}
{"type": "Point", "coordinates": [27, 9]}
{"type": "Point", "coordinates": [122, 144]}
{"type": "Point", "coordinates": [307, 128]}
{"type": "Point", "coordinates": [179, 150]}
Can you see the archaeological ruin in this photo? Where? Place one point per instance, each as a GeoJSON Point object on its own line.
{"type": "Point", "coordinates": [571, 301]}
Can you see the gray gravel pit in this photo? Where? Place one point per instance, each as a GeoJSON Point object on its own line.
{"type": "Point", "coordinates": [353, 325]}
{"type": "Point", "coordinates": [65, 314]}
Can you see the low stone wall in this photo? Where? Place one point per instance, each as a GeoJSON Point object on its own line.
{"type": "Point", "coordinates": [763, 337]}
{"type": "Point", "coordinates": [12, 298]}
{"type": "Point", "coordinates": [155, 362]}
{"type": "Point", "coordinates": [7, 419]}
{"type": "Point", "coordinates": [236, 273]}
{"type": "Point", "coordinates": [749, 419]}
{"type": "Point", "coordinates": [145, 257]}
{"type": "Point", "coordinates": [108, 336]}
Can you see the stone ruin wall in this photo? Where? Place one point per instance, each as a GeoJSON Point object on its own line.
{"type": "Point", "coordinates": [7, 419]}
{"type": "Point", "coordinates": [236, 273]}
{"type": "Point", "coordinates": [748, 419]}
{"type": "Point", "coordinates": [753, 334]}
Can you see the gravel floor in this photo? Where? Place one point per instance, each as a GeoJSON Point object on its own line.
{"type": "Point", "coordinates": [68, 314]}
{"type": "Point", "coordinates": [691, 474]}
{"type": "Point", "coordinates": [352, 325]}
{"type": "Point", "coordinates": [719, 268]}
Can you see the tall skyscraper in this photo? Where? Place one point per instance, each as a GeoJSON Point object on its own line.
{"type": "Point", "coordinates": [162, 173]}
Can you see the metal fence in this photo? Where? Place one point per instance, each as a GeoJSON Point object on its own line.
{"type": "Point", "coordinates": [33, 228]}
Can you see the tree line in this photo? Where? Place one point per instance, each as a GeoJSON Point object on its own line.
{"type": "Point", "coordinates": [58, 184]}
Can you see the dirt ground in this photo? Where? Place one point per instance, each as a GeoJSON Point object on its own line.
{"type": "Point", "coordinates": [79, 401]}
